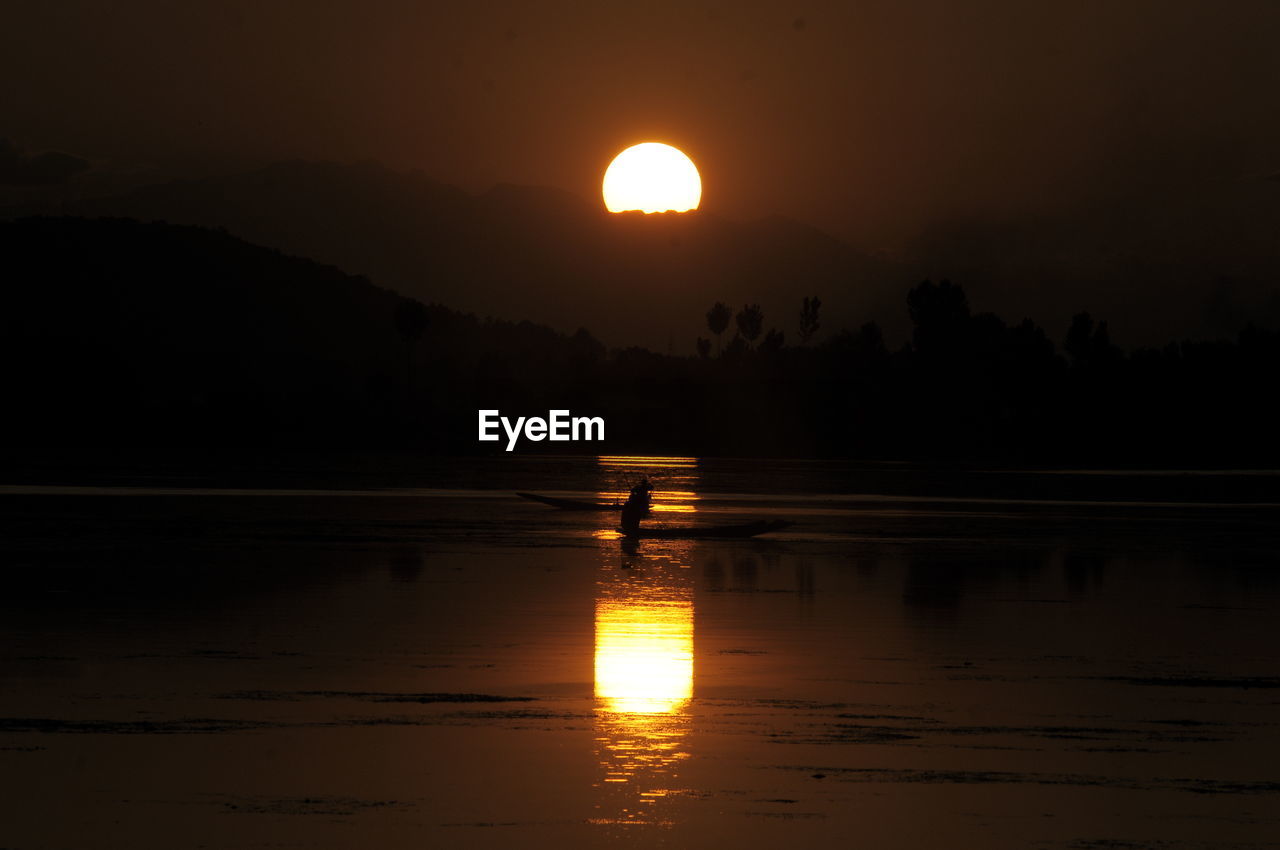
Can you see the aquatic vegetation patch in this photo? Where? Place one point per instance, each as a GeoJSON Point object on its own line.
{"type": "Point", "coordinates": [330, 806]}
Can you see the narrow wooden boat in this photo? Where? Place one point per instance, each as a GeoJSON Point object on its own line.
{"type": "Point", "coordinates": [570, 504]}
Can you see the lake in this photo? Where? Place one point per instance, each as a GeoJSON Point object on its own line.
{"type": "Point", "coordinates": [322, 656]}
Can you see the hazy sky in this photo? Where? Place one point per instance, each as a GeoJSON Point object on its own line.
{"type": "Point", "coordinates": [871, 119]}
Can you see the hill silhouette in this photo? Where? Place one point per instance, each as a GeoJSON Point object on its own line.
{"type": "Point", "coordinates": [119, 333]}
{"type": "Point", "coordinates": [1161, 262]}
{"type": "Point", "coordinates": [523, 252]}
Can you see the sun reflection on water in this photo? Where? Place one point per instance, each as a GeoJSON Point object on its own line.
{"type": "Point", "coordinates": [674, 480]}
{"type": "Point", "coordinates": [644, 655]}
{"type": "Point", "coordinates": [643, 686]}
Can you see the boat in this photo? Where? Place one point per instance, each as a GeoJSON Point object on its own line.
{"type": "Point", "coordinates": [749, 529]}
{"type": "Point", "coordinates": [570, 504]}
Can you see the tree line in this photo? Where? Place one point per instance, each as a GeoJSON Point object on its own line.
{"type": "Point", "coordinates": [969, 386]}
{"type": "Point", "coordinates": [123, 333]}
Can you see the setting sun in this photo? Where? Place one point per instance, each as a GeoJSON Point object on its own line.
{"type": "Point", "coordinates": [652, 177]}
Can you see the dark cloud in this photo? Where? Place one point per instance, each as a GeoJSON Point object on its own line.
{"type": "Point", "coordinates": [17, 168]}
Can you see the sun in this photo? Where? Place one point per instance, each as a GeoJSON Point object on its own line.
{"type": "Point", "coordinates": [652, 177]}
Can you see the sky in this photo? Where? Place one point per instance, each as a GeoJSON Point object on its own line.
{"type": "Point", "coordinates": [874, 120]}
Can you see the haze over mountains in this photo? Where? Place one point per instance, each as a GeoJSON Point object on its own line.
{"type": "Point", "coordinates": [526, 253]}
{"type": "Point", "coordinates": [1158, 266]}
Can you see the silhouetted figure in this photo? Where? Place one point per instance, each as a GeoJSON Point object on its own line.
{"type": "Point", "coordinates": [636, 507]}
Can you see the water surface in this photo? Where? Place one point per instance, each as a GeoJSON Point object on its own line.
{"type": "Point", "coordinates": [442, 664]}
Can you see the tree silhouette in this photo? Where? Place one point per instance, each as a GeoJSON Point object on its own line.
{"type": "Point", "coordinates": [718, 321]}
{"type": "Point", "coordinates": [318, 351]}
{"type": "Point", "coordinates": [586, 351]}
{"type": "Point", "coordinates": [1089, 345]}
{"type": "Point", "coordinates": [809, 323]}
{"type": "Point", "coordinates": [750, 322]}
{"type": "Point", "coordinates": [773, 342]}
{"type": "Point", "coordinates": [940, 314]}
{"type": "Point", "coordinates": [863, 346]}
{"type": "Point", "coordinates": [411, 320]}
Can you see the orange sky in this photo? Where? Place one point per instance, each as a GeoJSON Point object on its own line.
{"type": "Point", "coordinates": [874, 120]}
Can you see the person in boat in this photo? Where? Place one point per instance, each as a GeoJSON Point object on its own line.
{"type": "Point", "coordinates": [643, 493]}
{"type": "Point", "coordinates": [636, 507]}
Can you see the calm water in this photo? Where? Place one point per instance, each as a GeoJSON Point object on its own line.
{"type": "Point", "coordinates": [449, 666]}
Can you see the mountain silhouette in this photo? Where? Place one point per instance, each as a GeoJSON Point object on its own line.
{"type": "Point", "coordinates": [119, 332]}
{"type": "Point", "coordinates": [520, 252]}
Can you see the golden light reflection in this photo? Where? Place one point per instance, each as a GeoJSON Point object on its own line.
{"type": "Point", "coordinates": [643, 685]}
{"type": "Point", "coordinates": [674, 480]}
{"type": "Point", "coordinates": [664, 501]}
{"type": "Point", "coordinates": [652, 461]}
{"type": "Point", "coordinates": [644, 655]}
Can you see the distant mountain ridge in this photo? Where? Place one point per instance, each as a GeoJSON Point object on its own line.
{"type": "Point", "coordinates": [1157, 265]}
{"type": "Point", "coordinates": [519, 252]}
{"type": "Point", "coordinates": [120, 332]}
